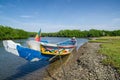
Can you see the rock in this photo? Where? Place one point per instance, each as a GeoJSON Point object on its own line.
{"type": "Point", "coordinates": [85, 64]}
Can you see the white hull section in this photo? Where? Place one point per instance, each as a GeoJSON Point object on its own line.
{"type": "Point", "coordinates": [34, 45]}
{"type": "Point", "coordinates": [10, 46]}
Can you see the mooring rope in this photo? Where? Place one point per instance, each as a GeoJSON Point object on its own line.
{"type": "Point", "coordinates": [61, 63]}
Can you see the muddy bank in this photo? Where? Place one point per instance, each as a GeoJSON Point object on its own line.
{"type": "Point", "coordinates": [84, 64]}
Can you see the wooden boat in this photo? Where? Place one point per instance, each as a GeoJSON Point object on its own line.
{"type": "Point", "coordinates": [35, 44]}
{"type": "Point", "coordinates": [24, 52]}
{"type": "Point", "coordinates": [62, 48]}
{"type": "Point", "coordinates": [40, 50]}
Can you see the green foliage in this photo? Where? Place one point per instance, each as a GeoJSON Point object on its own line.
{"type": "Point", "coordinates": [32, 34]}
{"type": "Point", "coordinates": [10, 33]}
{"type": "Point", "coordinates": [78, 33]}
{"type": "Point", "coordinates": [104, 39]}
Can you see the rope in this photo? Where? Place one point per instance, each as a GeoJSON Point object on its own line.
{"type": "Point", "coordinates": [52, 58]}
{"type": "Point", "coordinates": [61, 64]}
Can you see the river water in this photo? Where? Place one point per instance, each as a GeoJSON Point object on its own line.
{"type": "Point", "coordinates": [13, 67]}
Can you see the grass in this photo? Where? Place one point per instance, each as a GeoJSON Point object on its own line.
{"type": "Point", "coordinates": [111, 48]}
{"type": "Point", "coordinates": [104, 39]}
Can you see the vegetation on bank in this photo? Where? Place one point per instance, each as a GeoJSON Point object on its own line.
{"type": "Point", "coordinates": [79, 34]}
{"type": "Point", "coordinates": [32, 34]}
{"type": "Point", "coordinates": [10, 33]}
{"type": "Point", "coordinates": [110, 48]}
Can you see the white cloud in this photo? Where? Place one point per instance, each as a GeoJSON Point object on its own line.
{"type": "Point", "coordinates": [8, 5]}
{"type": "Point", "coordinates": [116, 20]}
{"type": "Point", "coordinates": [36, 13]}
{"type": "Point", "coordinates": [47, 27]}
{"type": "Point", "coordinates": [26, 16]}
{"type": "Point", "coordinates": [100, 27]}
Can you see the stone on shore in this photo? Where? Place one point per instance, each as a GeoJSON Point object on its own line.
{"type": "Point", "coordinates": [84, 64]}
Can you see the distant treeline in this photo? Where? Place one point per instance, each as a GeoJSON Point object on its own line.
{"type": "Point", "coordinates": [78, 33]}
{"type": "Point", "coordinates": [10, 33]}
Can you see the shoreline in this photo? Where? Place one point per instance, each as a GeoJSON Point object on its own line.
{"type": "Point", "coordinates": [84, 64]}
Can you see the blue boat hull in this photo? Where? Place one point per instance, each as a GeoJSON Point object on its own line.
{"type": "Point", "coordinates": [31, 55]}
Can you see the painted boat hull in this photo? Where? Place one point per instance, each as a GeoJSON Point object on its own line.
{"type": "Point", "coordinates": [34, 45]}
{"type": "Point", "coordinates": [39, 50]}
{"type": "Point", "coordinates": [26, 53]}
{"type": "Point", "coordinates": [31, 55]}
{"type": "Point", "coordinates": [62, 48]}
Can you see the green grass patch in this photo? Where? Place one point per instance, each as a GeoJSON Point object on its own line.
{"type": "Point", "coordinates": [110, 48]}
{"type": "Point", "coordinates": [99, 41]}
{"type": "Point", "coordinates": [104, 39]}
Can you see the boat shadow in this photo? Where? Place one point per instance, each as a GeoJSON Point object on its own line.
{"type": "Point", "coordinates": [28, 68]}
{"type": "Point", "coordinates": [61, 65]}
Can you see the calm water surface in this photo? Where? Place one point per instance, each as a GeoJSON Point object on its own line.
{"type": "Point", "coordinates": [12, 67]}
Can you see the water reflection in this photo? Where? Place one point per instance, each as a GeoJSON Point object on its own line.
{"type": "Point", "coordinates": [27, 68]}
{"type": "Point", "coordinates": [13, 67]}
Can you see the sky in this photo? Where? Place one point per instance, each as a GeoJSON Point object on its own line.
{"type": "Point", "coordinates": [56, 15]}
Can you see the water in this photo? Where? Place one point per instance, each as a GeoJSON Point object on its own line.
{"type": "Point", "coordinates": [13, 67]}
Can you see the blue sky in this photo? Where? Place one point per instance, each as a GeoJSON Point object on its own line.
{"type": "Point", "coordinates": [55, 15]}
